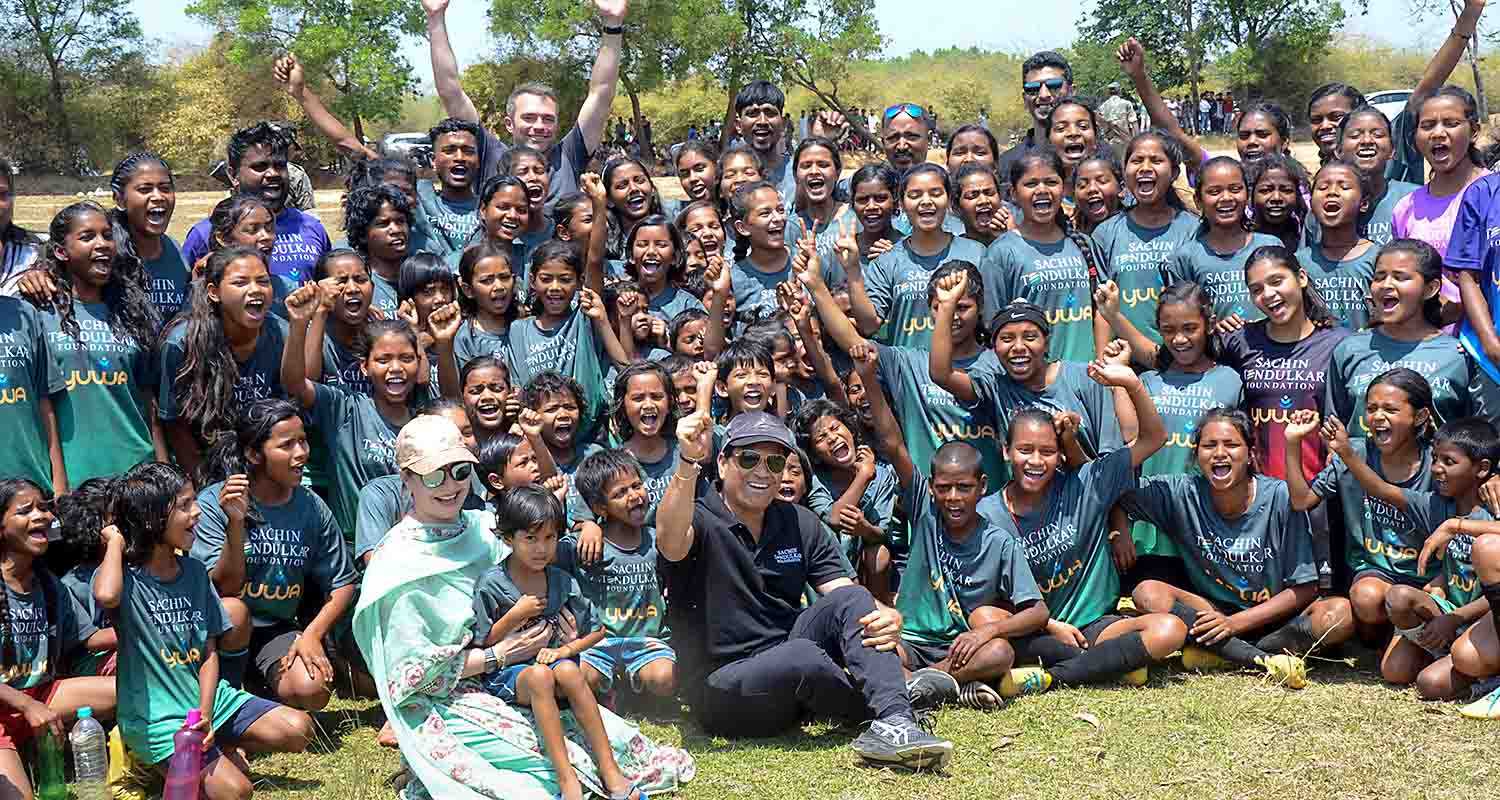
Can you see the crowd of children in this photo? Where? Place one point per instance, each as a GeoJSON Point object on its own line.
{"type": "Point", "coordinates": [534, 437]}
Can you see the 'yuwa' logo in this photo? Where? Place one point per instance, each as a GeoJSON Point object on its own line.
{"type": "Point", "coordinates": [263, 591]}
{"type": "Point", "coordinates": [78, 378]}
{"type": "Point", "coordinates": [1263, 415]}
{"type": "Point", "coordinates": [1061, 578]}
{"type": "Point", "coordinates": [917, 325]}
{"type": "Point", "coordinates": [13, 396]}
{"type": "Point", "coordinates": [1394, 552]}
{"type": "Point", "coordinates": [627, 614]}
{"type": "Point", "coordinates": [176, 658]}
{"type": "Point", "coordinates": [947, 431]}
{"type": "Point", "coordinates": [1077, 314]}
{"type": "Point", "coordinates": [1134, 297]}
{"type": "Point", "coordinates": [1180, 440]}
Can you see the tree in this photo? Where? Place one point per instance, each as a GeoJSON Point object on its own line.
{"type": "Point", "coordinates": [354, 45]}
{"type": "Point", "coordinates": [1425, 8]}
{"type": "Point", "coordinates": [821, 51]}
{"type": "Point", "coordinates": [75, 39]}
{"type": "Point", "coordinates": [664, 39]}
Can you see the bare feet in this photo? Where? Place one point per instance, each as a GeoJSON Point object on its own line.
{"type": "Point", "coordinates": [387, 737]}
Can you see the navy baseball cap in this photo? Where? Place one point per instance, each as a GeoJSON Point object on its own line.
{"type": "Point", "coordinates": [758, 427]}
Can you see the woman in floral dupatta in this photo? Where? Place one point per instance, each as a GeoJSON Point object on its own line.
{"type": "Point", "coordinates": [412, 625]}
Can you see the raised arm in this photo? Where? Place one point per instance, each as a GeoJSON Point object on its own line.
{"type": "Point", "coordinates": [109, 580]}
{"type": "Point", "coordinates": [593, 263]}
{"type": "Point", "coordinates": [847, 246]}
{"type": "Point", "coordinates": [835, 322]}
{"type": "Point", "coordinates": [940, 359]}
{"type": "Point", "coordinates": [1304, 423]}
{"type": "Point", "coordinates": [443, 323]}
{"type": "Point", "coordinates": [445, 74]}
{"type": "Point", "coordinates": [300, 307]}
{"type": "Point", "coordinates": [1450, 51]}
{"type": "Point", "coordinates": [674, 517]}
{"type": "Point", "coordinates": [593, 308]}
{"type": "Point", "coordinates": [1337, 438]}
{"type": "Point", "coordinates": [887, 432]}
{"type": "Point", "coordinates": [1152, 432]}
{"type": "Point", "coordinates": [288, 73]}
{"type": "Point", "coordinates": [593, 115]}
{"type": "Point", "coordinates": [1132, 57]}
{"type": "Point", "coordinates": [720, 289]}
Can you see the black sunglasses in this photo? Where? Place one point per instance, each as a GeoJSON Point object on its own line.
{"type": "Point", "coordinates": [748, 460]}
{"type": "Point", "coordinates": [1054, 85]}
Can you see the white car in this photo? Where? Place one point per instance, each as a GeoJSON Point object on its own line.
{"type": "Point", "coordinates": [1391, 102]}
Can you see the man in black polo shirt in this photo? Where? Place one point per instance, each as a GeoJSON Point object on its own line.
{"type": "Point", "coordinates": [738, 560]}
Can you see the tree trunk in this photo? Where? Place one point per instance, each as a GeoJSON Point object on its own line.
{"type": "Point", "coordinates": [59, 118]}
{"type": "Point", "coordinates": [831, 99]}
{"type": "Point", "coordinates": [727, 134]}
{"type": "Point", "coordinates": [1472, 53]}
{"type": "Point", "coordinates": [1195, 67]}
{"type": "Point", "coordinates": [647, 154]}
{"type": "Point", "coordinates": [359, 126]}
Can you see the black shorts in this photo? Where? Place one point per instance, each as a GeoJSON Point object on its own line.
{"type": "Point", "coordinates": [920, 655]}
{"type": "Point", "coordinates": [270, 643]}
{"type": "Point", "coordinates": [1092, 631]}
{"type": "Point", "coordinates": [1413, 581]}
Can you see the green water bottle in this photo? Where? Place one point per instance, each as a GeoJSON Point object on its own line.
{"type": "Point", "coordinates": [51, 783]}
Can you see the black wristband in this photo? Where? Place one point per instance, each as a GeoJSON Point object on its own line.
{"type": "Point", "coordinates": [614, 30]}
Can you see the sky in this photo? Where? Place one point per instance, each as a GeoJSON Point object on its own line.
{"type": "Point", "coordinates": [987, 24]}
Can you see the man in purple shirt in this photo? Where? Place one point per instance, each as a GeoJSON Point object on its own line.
{"type": "Point", "coordinates": [257, 165]}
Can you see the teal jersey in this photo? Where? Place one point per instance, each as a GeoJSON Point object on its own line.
{"type": "Point", "coordinates": [825, 237]}
{"type": "Point", "coordinates": [999, 398]}
{"type": "Point", "coordinates": [495, 594]}
{"type": "Point", "coordinates": [1135, 258]}
{"type": "Point", "coordinates": [897, 286]}
{"type": "Point", "coordinates": [79, 582]}
{"type": "Point", "coordinates": [572, 350]}
{"type": "Point", "coordinates": [622, 587]}
{"type": "Point", "coordinates": [1067, 538]}
{"type": "Point", "coordinates": [930, 415]}
{"type": "Point", "coordinates": [291, 550]}
{"type": "Point", "coordinates": [1364, 356]}
{"type": "Point", "coordinates": [259, 375]}
{"type": "Point", "coordinates": [657, 476]}
{"type": "Point", "coordinates": [946, 580]}
{"type": "Point", "coordinates": [168, 279]}
{"type": "Point", "coordinates": [1343, 284]}
{"type": "Point", "coordinates": [40, 625]}
{"type": "Point", "coordinates": [447, 224]}
{"type": "Point", "coordinates": [671, 302]}
{"type": "Point", "coordinates": [1375, 222]}
{"type": "Point", "coordinates": [878, 504]}
{"type": "Point", "coordinates": [343, 368]}
{"type": "Point", "coordinates": [1222, 275]}
{"type": "Point", "coordinates": [164, 628]}
{"type": "Point", "coordinates": [1052, 275]}
{"type": "Point", "coordinates": [28, 374]}
{"type": "Point", "coordinates": [472, 342]}
{"type": "Point", "coordinates": [109, 381]}
{"type": "Point", "coordinates": [1235, 563]}
{"type": "Point", "coordinates": [755, 290]}
{"type": "Point", "coordinates": [361, 444]}
{"type": "Point", "coordinates": [1378, 536]}
{"type": "Point", "coordinates": [1181, 398]}
{"type": "Point", "coordinates": [384, 296]}
{"type": "Point", "coordinates": [1428, 510]}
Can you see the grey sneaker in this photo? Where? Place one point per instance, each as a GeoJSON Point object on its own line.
{"type": "Point", "coordinates": [930, 688]}
{"type": "Point", "coordinates": [897, 740]}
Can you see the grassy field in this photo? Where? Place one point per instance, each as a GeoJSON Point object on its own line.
{"type": "Point", "coordinates": [1182, 736]}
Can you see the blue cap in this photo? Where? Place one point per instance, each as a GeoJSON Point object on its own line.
{"type": "Point", "coordinates": [85, 712]}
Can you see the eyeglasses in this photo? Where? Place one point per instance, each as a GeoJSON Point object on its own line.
{"type": "Point", "coordinates": [748, 460]}
{"type": "Point", "coordinates": [1054, 85]}
{"type": "Point", "coordinates": [459, 471]}
{"type": "Point", "coordinates": [910, 109]}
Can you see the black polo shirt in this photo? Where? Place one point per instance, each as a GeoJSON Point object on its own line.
{"type": "Point", "coordinates": [742, 596]}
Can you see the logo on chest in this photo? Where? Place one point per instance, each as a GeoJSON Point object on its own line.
{"type": "Point", "coordinates": [788, 555]}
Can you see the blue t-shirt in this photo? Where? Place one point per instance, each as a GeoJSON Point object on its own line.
{"type": "Point", "coordinates": [1135, 258]}
{"type": "Point", "coordinates": [1475, 245]}
{"type": "Point", "coordinates": [897, 286]}
{"type": "Point", "coordinates": [300, 241]}
{"type": "Point", "coordinates": [1222, 275]}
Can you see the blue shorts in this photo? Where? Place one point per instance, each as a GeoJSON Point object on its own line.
{"type": "Point", "coordinates": [628, 655]}
{"type": "Point", "coordinates": [502, 682]}
{"type": "Point", "coordinates": [234, 729]}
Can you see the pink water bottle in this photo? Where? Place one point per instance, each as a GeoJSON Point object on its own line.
{"type": "Point", "coordinates": [184, 772]}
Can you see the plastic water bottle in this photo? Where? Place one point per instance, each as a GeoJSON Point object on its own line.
{"type": "Point", "coordinates": [51, 784]}
{"type": "Point", "coordinates": [184, 771]}
{"type": "Point", "coordinates": [90, 757]}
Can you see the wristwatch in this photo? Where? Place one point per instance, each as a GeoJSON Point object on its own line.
{"type": "Point", "coordinates": [490, 662]}
{"type": "Point", "coordinates": [613, 30]}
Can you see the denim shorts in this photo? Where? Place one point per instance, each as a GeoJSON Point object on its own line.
{"type": "Point", "coordinates": [628, 655]}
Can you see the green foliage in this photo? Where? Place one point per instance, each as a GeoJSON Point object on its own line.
{"type": "Point", "coordinates": [56, 52]}
{"type": "Point", "coordinates": [1163, 28]}
{"type": "Point", "coordinates": [489, 83]}
{"type": "Point", "coordinates": [353, 45]}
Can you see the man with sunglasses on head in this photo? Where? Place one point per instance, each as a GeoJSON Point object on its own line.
{"type": "Point", "coordinates": [905, 137]}
{"type": "Point", "coordinates": [737, 560]}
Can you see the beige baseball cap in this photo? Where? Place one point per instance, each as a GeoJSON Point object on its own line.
{"type": "Point", "coordinates": [430, 442]}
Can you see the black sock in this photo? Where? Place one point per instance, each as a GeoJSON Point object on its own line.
{"type": "Point", "coordinates": [1237, 651]}
{"type": "Point", "coordinates": [1295, 637]}
{"type": "Point", "coordinates": [1491, 592]}
{"type": "Point", "coordinates": [232, 666]}
{"type": "Point", "coordinates": [1103, 662]}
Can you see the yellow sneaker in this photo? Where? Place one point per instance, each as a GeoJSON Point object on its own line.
{"type": "Point", "coordinates": [1025, 680]}
{"type": "Point", "coordinates": [1200, 660]}
{"type": "Point", "coordinates": [128, 777]}
{"type": "Point", "coordinates": [1289, 671]}
{"type": "Point", "coordinates": [1487, 707]}
{"type": "Point", "coordinates": [1136, 677]}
